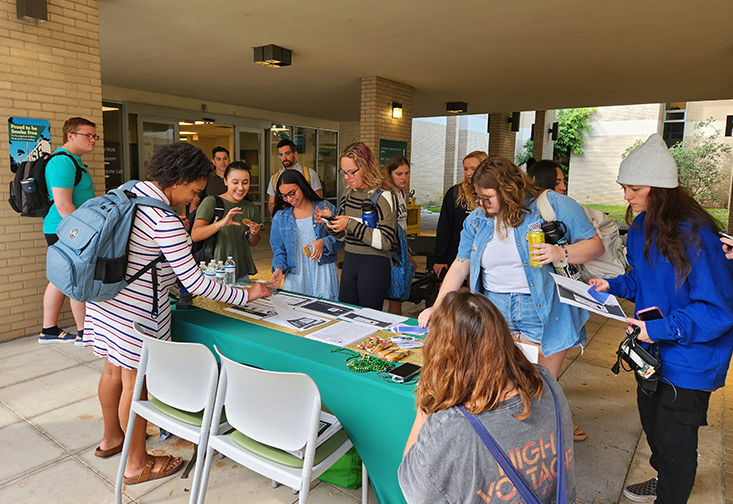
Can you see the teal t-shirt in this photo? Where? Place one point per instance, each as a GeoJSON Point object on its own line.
{"type": "Point", "coordinates": [230, 239]}
{"type": "Point", "coordinates": [61, 173]}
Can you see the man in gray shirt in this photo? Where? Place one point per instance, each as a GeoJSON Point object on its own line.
{"type": "Point", "coordinates": [288, 155]}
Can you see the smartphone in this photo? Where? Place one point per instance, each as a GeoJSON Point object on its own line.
{"type": "Point", "coordinates": [724, 235]}
{"type": "Point", "coordinates": [404, 372]}
{"type": "Point", "coordinates": [329, 218]}
{"type": "Point", "coordinates": [647, 314]}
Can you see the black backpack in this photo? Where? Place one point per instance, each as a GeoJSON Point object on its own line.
{"type": "Point", "coordinates": [198, 249]}
{"type": "Point", "coordinates": [28, 190]}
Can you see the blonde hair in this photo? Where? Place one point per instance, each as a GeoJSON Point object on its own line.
{"type": "Point", "coordinates": [364, 160]}
{"type": "Point", "coordinates": [466, 194]}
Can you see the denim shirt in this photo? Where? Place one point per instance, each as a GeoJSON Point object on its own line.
{"type": "Point", "coordinates": [283, 239]}
{"type": "Point", "coordinates": [564, 324]}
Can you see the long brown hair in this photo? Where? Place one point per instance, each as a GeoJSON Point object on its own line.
{"type": "Point", "coordinates": [512, 186]}
{"type": "Point", "coordinates": [470, 359]}
{"type": "Point", "coordinates": [677, 219]}
{"type": "Point", "coordinates": [391, 165]}
{"type": "Point", "coordinates": [466, 193]}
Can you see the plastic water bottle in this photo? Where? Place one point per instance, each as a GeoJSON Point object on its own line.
{"type": "Point", "coordinates": [210, 272]}
{"type": "Point", "coordinates": [229, 271]}
{"type": "Point", "coordinates": [202, 266]}
{"type": "Point", "coordinates": [220, 272]}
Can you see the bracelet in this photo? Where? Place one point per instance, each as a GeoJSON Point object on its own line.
{"type": "Point", "coordinates": [216, 223]}
{"type": "Point", "coordinates": [565, 248]}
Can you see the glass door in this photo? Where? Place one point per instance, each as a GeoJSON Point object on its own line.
{"type": "Point", "coordinates": [328, 144]}
{"type": "Point", "coordinates": [249, 149]}
{"type": "Point", "coordinates": [152, 133]}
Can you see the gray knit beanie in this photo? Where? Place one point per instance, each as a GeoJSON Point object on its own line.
{"type": "Point", "coordinates": [650, 164]}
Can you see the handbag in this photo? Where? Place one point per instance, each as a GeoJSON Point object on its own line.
{"type": "Point", "coordinates": [506, 465]}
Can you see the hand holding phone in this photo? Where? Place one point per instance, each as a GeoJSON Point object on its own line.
{"type": "Point", "coordinates": [647, 314]}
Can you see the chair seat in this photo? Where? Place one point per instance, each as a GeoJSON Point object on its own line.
{"type": "Point", "coordinates": [186, 417]}
{"type": "Point", "coordinates": [284, 458]}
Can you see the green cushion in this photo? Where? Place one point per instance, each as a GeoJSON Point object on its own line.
{"type": "Point", "coordinates": [183, 416]}
{"type": "Point", "coordinates": [284, 458]}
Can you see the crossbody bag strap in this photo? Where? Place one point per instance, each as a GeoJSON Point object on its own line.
{"type": "Point", "coordinates": [502, 459]}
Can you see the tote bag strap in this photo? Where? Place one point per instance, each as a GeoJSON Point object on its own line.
{"type": "Point", "coordinates": [501, 457]}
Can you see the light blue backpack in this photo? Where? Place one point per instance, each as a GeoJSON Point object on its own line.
{"type": "Point", "coordinates": [89, 260]}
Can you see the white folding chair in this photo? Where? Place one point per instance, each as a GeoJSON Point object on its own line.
{"type": "Point", "coordinates": [182, 379]}
{"type": "Point", "coordinates": [272, 412]}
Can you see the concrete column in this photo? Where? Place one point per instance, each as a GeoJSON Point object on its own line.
{"type": "Point", "coordinates": [49, 71]}
{"type": "Point", "coordinates": [501, 137]}
{"type": "Point", "coordinates": [543, 143]}
{"type": "Point", "coordinates": [377, 123]}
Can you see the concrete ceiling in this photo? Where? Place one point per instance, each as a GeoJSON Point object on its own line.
{"type": "Point", "coordinates": [496, 55]}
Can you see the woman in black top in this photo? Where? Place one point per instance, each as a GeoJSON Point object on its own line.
{"type": "Point", "coordinates": [458, 202]}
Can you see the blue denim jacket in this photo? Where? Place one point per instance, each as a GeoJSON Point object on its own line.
{"type": "Point", "coordinates": [283, 239]}
{"type": "Point", "coordinates": [564, 324]}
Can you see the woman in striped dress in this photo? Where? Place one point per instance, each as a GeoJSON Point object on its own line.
{"type": "Point", "coordinates": [178, 173]}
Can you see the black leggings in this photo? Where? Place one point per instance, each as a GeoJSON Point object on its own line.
{"type": "Point", "coordinates": [364, 280]}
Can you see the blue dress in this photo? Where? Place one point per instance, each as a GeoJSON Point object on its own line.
{"type": "Point", "coordinates": [310, 277]}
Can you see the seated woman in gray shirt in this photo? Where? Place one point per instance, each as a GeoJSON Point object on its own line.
{"type": "Point", "coordinates": [470, 359]}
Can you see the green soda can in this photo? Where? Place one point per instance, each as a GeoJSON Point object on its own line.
{"type": "Point", "coordinates": [535, 237]}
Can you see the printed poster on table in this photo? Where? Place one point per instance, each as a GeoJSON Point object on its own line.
{"type": "Point", "coordinates": [29, 138]}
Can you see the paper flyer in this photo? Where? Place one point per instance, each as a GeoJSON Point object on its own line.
{"type": "Point", "coordinates": [575, 293]}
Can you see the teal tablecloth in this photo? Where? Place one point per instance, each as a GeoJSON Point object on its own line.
{"type": "Point", "coordinates": [376, 414]}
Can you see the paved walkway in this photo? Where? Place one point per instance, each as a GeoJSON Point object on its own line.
{"type": "Point", "coordinates": [50, 423]}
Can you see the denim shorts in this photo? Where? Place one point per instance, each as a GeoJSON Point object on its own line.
{"type": "Point", "coordinates": [520, 313]}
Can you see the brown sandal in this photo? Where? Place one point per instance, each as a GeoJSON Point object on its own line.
{"type": "Point", "coordinates": [579, 434]}
{"type": "Point", "coordinates": [99, 452]}
{"type": "Point", "coordinates": [144, 474]}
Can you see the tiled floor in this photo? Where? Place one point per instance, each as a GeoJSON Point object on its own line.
{"type": "Point", "coordinates": [50, 423]}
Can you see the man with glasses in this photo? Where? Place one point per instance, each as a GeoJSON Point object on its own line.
{"type": "Point", "coordinates": [289, 158]}
{"type": "Point", "coordinates": [69, 185]}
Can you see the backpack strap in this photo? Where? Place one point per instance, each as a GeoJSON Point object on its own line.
{"type": "Point", "coordinates": [79, 169]}
{"type": "Point", "coordinates": [543, 205]}
{"type": "Point", "coordinates": [502, 459]}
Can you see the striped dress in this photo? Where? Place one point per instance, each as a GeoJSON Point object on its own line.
{"type": "Point", "coordinates": [108, 324]}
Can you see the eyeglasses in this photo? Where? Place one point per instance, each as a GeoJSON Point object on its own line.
{"type": "Point", "coordinates": [290, 195]}
{"type": "Point", "coordinates": [286, 153]}
{"type": "Point", "coordinates": [88, 135]}
{"type": "Point", "coordinates": [349, 174]}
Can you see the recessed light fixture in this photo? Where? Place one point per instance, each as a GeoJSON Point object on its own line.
{"type": "Point", "coordinates": [273, 56]}
{"type": "Point", "coordinates": [396, 110]}
{"type": "Point", "coordinates": [186, 132]}
{"type": "Point", "coordinates": [456, 107]}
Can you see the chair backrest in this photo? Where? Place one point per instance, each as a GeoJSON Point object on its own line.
{"type": "Point", "coordinates": [281, 410]}
{"type": "Point", "coordinates": [178, 374]}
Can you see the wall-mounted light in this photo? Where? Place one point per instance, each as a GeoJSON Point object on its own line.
{"type": "Point", "coordinates": [456, 107]}
{"type": "Point", "coordinates": [396, 110]}
{"type": "Point", "coordinates": [514, 120]}
{"type": "Point", "coordinates": [34, 11]}
{"type": "Point", "coordinates": [554, 131]}
{"type": "Point", "coordinates": [273, 56]}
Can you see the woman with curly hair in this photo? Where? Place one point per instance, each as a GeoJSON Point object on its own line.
{"type": "Point", "coordinates": [458, 203]}
{"type": "Point", "coordinates": [178, 172]}
{"type": "Point", "coordinates": [678, 268]}
{"type": "Point", "coordinates": [495, 250]}
{"type": "Point", "coordinates": [365, 276]}
{"type": "Point", "coordinates": [470, 360]}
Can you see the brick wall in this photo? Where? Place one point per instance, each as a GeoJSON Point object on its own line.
{"type": "Point", "coordinates": [49, 71]}
{"type": "Point", "coordinates": [348, 134]}
{"type": "Point", "coordinates": [377, 95]}
{"type": "Point", "coordinates": [501, 137]}
{"type": "Point", "coordinates": [592, 177]}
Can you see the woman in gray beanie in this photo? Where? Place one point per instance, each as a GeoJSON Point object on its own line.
{"type": "Point", "coordinates": [677, 268]}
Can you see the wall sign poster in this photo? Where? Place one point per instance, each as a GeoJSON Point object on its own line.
{"type": "Point", "coordinates": [29, 138]}
{"type": "Point", "coordinates": [389, 149]}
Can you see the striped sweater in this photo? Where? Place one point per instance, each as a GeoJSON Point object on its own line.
{"type": "Point", "coordinates": [360, 238]}
{"type": "Point", "coordinates": [108, 324]}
